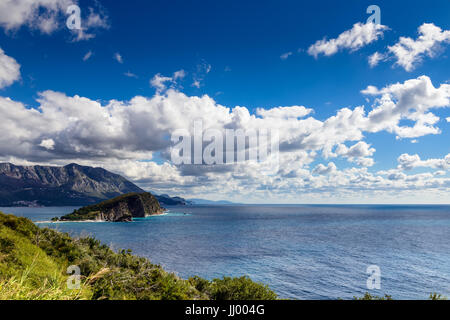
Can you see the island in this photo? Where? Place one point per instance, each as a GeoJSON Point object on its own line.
{"type": "Point", "coordinates": [36, 264]}
{"type": "Point", "coordinates": [119, 209]}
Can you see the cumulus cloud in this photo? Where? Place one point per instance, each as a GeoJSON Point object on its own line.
{"type": "Point", "coordinates": [360, 149]}
{"type": "Point", "coordinates": [84, 128]}
{"type": "Point", "coordinates": [409, 162]}
{"type": "Point", "coordinates": [48, 144]}
{"type": "Point", "coordinates": [354, 39]}
{"type": "Point", "coordinates": [48, 16]}
{"type": "Point", "coordinates": [125, 136]}
{"type": "Point", "coordinates": [358, 153]}
{"type": "Point", "coordinates": [321, 169]}
{"type": "Point", "coordinates": [9, 70]}
{"type": "Point", "coordinates": [409, 52]}
{"type": "Point", "coordinates": [411, 100]}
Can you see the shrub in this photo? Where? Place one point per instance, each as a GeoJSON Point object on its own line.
{"type": "Point", "coordinates": [47, 253]}
{"type": "Point", "coordinates": [242, 288]}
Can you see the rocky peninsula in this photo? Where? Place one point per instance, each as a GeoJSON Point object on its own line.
{"type": "Point", "coordinates": [120, 209]}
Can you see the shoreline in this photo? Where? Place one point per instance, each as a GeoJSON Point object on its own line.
{"type": "Point", "coordinates": [163, 213]}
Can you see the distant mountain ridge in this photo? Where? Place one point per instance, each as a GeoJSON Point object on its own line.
{"type": "Point", "coordinates": [172, 201]}
{"type": "Point", "coordinates": [209, 202]}
{"type": "Point", "coordinates": [71, 185]}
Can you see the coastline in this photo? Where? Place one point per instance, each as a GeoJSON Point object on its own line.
{"type": "Point", "coordinates": [159, 214]}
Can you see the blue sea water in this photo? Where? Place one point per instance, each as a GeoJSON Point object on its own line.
{"type": "Point", "coordinates": [301, 252]}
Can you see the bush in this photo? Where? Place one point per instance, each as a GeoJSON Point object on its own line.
{"type": "Point", "coordinates": [227, 288]}
{"type": "Point", "coordinates": [368, 296]}
{"type": "Point", "coordinates": [106, 274]}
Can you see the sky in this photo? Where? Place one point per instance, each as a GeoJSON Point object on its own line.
{"type": "Point", "coordinates": [360, 101]}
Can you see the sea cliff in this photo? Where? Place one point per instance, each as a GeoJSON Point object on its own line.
{"type": "Point", "coordinates": [120, 209]}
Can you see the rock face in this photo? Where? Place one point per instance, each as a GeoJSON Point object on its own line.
{"type": "Point", "coordinates": [72, 185]}
{"type": "Point", "coordinates": [120, 209]}
{"type": "Point", "coordinates": [172, 201]}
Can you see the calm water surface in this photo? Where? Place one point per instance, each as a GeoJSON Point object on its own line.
{"type": "Point", "coordinates": [301, 252]}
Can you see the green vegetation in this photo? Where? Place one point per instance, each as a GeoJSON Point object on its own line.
{"type": "Point", "coordinates": [436, 296]}
{"type": "Point", "coordinates": [242, 288]}
{"type": "Point", "coordinates": [121, 208]}
{"type": "Point", "coordinates": [368, 296]}
{"type": "Point", "coordinates": [34, 261]}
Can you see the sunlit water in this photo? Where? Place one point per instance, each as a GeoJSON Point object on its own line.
{"type": "Point", "coordinates": [301, 252]}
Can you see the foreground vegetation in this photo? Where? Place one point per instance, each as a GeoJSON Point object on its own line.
{"type": "Point", "coordinates": [368, 296]}
{"type": "Point", "coordinates": [121, 208]}
{"type": "Point", "coordinates": [34, 262]}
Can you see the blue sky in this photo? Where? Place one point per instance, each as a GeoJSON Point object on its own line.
{"type": "Point", "coordinates": [233, 49]}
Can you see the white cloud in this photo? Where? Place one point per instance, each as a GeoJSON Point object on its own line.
{"type": "Point", "coordinates": [286, 55]}
{"type": "Point", "coordinates": [179, 75]}
{"type": "Point", "coordinates": [87, 55]}
{"type": "Point", "coordinates": [375, 58]}
{"type": "Point", "coordinates": [48, 16]}
{"type": "Point", "coordinates": [159, 81]}
{"type": "Point", "coordinates": [409, 52]}
{"type": "Point", "coordinates": [9, 70]}
{"type": "Point", "coordinates": [199, 76]}
{"type": "Point", "coordinates": [48, 144]}
{"type": "Point", "coordinates": [118, 135]}
{"type": "Point", "coordinates": [42, 15]}
{"type": "Point", "coordinates": [359, 153]}
{"type": "Point", "coordinates": [129, 74]}
{"type": "Point", "coordinates": [284, 112]}
{"type": "Point", "coordinates": [411, 100]}
{"type": "Point", "coordinates": [96, 20]}
{"type": "Point", "coordinates": [360, 149]}
{"type": "Point", "coordinates": [321, 169]}
{"type": "Point", "coordinates": [409, 162]}
{"type": "Point", "coordinates": [448, 119]}
{"type": "Point", "coordinates": [118, 57]}
{"type": "Point", "coordinates": [370, 90]}
{"type": "Point", "coordinates": [357, 37]}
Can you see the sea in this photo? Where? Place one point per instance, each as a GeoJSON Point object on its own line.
{"type": "Point", "coordinates": [299, 251]}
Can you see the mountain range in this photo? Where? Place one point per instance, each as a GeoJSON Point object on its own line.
{"type": "Point", "coordinates": [71, 185]}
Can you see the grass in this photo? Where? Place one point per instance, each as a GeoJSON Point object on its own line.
{"type": "Point", "coordinates": [34, 262]}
